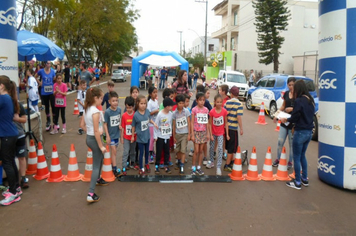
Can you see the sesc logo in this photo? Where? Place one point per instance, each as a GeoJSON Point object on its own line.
{"type": "Point", "coordinates": [327, 83]}
{"type": "Point", "coordinates": [325, 167]}
{"type": "Point", "coordinates": [3, 59]}
{"type": "Point", "coordinates": [6, 18]}
{"type": "Point", "coordinates": [353, 79]}
{"type": "Point", "coordinates": [353, 169]}
{"type": "Point", "coordinates": [30, 41]}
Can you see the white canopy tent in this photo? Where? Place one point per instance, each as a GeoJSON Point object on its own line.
{"type": "Point", "coordinates": [158, 60]}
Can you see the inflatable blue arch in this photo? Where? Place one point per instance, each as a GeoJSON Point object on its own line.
{"type": "Point", "coordinates": [140, 63]}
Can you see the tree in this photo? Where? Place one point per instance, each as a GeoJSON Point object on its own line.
{"type": "Point", "coordinates": [197, 61]}
{"type": "Point", "coordinates": [271, 19]}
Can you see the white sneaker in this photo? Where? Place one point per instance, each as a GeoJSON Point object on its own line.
{"type": "Point", "coordinates": [218, 171]}
{"type": "Point", "coordinates": [54, 130]}
{"type": "Point", "coordinates": [205, 161]}
{"type": "Point", "coordinates": [210, 165]}
{"type": "Point", "coordinates": [9, 199]}
{"type": "Point", "coordinates": [64, 131]}
{"type": "Point", "coordinates": [191, 153]}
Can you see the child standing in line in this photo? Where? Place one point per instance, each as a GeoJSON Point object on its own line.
{"type": "Point", "coordinates": [218, 126]}
{"type": "Point", "coordinates": [32, 90]}
{"type": "Point", "coordinates": [181, 131]}
{"type": "Point", "coordinates": [200, 132]}
{"type": "Point", "coordinates": [223, 91]}
{"type": "Point", "coordinates": [90, 123]}
{"type": "Point", "coordinates": [163, 132]}
{"type": "Point", "coordinates": [106, 98]}
{"type": "Point", "coordinates": [126, 134]}
{"type": "Point", "coordinates": [60, 103]}
{"type": "Point", "coordinates": [234, 112]}
{"type": "Point", "coordinates": [112, 126]}
{"type": "Point", "coordinates": [140, 126]}
{"type": "Point", "coordinates": [134, 91]}
{"type": "Point", "coordinates": [153, 108]}
{"type": "Point", "coordinates": [81, 99]}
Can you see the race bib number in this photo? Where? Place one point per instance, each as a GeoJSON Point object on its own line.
{"type": "Point", "coordinates": [48, 89]}
{"type": "Point", "coordinates": [181, 122]}
{"type": "Point", "coordinates": [60, 101]}
{"type": "Point", "coordinates": [144, 125]}
{"type": "Point", "coordinates": [202, 118]}
{"type": "Point", "coordinates": [166, 130]}
{"type": "Point", "coordinates": [128, 130]}
{"type": "Point", "coordinates": [115, 120]}
{"type": "Point", "coordinates": [218, 121]}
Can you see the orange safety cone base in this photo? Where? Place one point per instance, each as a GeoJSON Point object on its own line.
{"type": "Point", "coordinates": [286, 178]}
{"type": "Point", "coordinates": [292, 175]}
{"type": "Point", "coordinates": [109, 179]}
{"type": "Point", "coordinates": [57, 180]}
{"type": "Point", "coordinates": [260, 123]}
{"type": "Point", "coordinates": [38, 177]}
{"type": "Point", "coordinates": [28, 172]}
{"type": "Point", "coordinates": [236, 177]}
{"type": "Point", "coordinates": [252, 178]}
{"type": "Point", "coordinates": [85, 179]}
{"type": "Point", "coordinates": [266, 178]}
{"type": "Point", "coordinates": [73, 179]}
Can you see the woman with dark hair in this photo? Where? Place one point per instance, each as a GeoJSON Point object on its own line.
{"type": "Point", "coordinates": [302, 117]}
{"type": "Point", "coordinates": [181, 84]}
{"type": "Point", "coordinates": [9, 110]}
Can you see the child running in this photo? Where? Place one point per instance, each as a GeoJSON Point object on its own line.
{"type": "Point", "coordinates": [181, 131]}
{"type": "Point", "coordinates": [32, 90]}
{"type": "Point", "coordinates": [126, 134]}
{"type": "Point", "coordinates": [60, 103]}
{"type": "Point", "coordinates": [112, 126]}
{"type": "Point", "coordinates": [153, 108]}
{"type": "Point", "coordinates": [218, 126]}
{"type": "Point", "coordinates": [140, 126]}
{"type": "Point", "coordinates": [163, 132]}
{"type": "Point", "coordinates": [200, 132]}
{"type": "Point", "coordinates": [81, 99]}
{"type": "Point", "coordinates": [90, 123]}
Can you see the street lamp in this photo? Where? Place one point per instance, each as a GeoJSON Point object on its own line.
{"type": "Point", "coordinates": [206, 26]}
{"type": "Point", "coordinates": [180, 48]}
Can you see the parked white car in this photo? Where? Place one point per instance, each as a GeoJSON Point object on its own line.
{"type": "Point", "coordinates": [234, 78]}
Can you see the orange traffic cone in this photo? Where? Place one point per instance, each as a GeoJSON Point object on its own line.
{"type": "Point", "coordinates": [278, 126]}
{"type": "Point", "coordinates": [88, 167]}
{"type": "Point", "coordinates": [76, 109]}
{"type": "Point", "coordinates": [261, 116]}
{"type": "Point", "coordinates": [267, 172]}
{"type": "Point", "coordinates": [56, 175]}
{"type": "Point", "coordinates": [73, 171]}
{"type": "Point", "coordinates": [106, 171]}
{"type": "Point", "coordinates": [42, 169]}
{"type": "Point", "coordinates": [236, 173]}
{"type": "Point", "coordinates": [282, 172]}
{"type": "Point", "coordinates": [292, 176]}
{"type": "Point", "coordinates": [252, 173]}
{"type": "Point", "coordinates": [32, 159]}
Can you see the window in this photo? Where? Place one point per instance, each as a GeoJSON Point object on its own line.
{"type": "Point", "coordinates": [261, 83]}
{"type": "Point", "coordinates": [236, 78]}
{"type": "Point", "coordinates": [280, 83]}
{"type": "Point", "coordinates": [224, 43]}
{"type": "Point", "coordinates": [271, 82]}
{"type": "Point", "coordinates": [235, 18]}
{"type": "Point", "coordinates": [310, 85]}
{"type": "Point", "coordinates": [232, 43]}
{"type": "Point", "coordinates": [211, 47]}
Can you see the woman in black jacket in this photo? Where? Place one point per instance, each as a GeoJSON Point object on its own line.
{"type": "Point", "coordinates": [302, 117]}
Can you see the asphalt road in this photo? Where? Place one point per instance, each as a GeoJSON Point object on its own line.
{"type": "Point", "coordinates": [237, 208]}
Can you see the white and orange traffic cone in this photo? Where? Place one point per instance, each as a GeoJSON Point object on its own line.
{"type": "Point", "coordinates": [32, 159]}
{"type": "Point", "coordinates": [76, 109]}
{"type": "Point", "coordinates": [267, 172]}
{"type": "Point", "coordinates": [236, 173]}
{"type": "Point", "coordinates": [106, 171]}
{"type": "Point", "coordinates": [261, 116]}
{"type": "Point", "coordinates": [278, 126]}
{"type": "Point", "coordinates": [252, 172]}
{"type": "Point", "coordinates": [56, 175]}
{"type": "Point", "coordinates": [282, 172]}
{"type": "Point", "coordinates": [88, 167]}
{"type": "Point", "coordinates": [73, 170]}
{"type": "Point", "coordinates": [42, 169]}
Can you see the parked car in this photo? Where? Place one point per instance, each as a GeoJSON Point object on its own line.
{"type": "Point", "coordinates": [234, 78]}
{"type": "Point", "coordinates": [118, 75]}
{"type": "Point", "coordinates": [270, 90]}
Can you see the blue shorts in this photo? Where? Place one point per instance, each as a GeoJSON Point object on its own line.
{"type": "Point", "coordinates": [114, 142]}
{"type": "Point", "coordinates": [34, 103]}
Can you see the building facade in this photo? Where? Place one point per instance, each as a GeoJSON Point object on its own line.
{"type": "Point", "coordinates": [198, 46]}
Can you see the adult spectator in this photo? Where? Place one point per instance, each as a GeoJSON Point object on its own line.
{"type": "Point", "coordinates": [9, 109]}
{"type": "Point", "coordinates": [203, 77]}
{"type": "Point", "coordinates": [181, 84]}
{"type": "Point", "coordinates": [163, 78]}
{"type": "Point", "coordinates": [85, 75]}
{"type": "Point", "coordinates": [302, 117]}
{"type": "Point", "coordinates": [46, 80]}
{"type": "Point", "coordinates": [252, 78]}
{"type": "Point", "coordinates": [196, 76]}
{"type": "Point", "coordinates": [67, 76]}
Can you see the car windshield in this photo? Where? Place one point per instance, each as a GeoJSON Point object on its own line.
{"type": "Point", "coordinates": [236, 78]}
{"type": "Point", "coordinates": [117, 71]}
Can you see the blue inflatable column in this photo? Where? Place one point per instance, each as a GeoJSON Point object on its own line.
{"type": "Point", "coordinates": [337, 89]}
{"type": "Point", "coordinates": [8, 40]}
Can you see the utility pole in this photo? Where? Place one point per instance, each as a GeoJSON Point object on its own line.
{"type": "Point", "coordinates": [206, 27]}
{"type": "Point", "coordinates": [180, 45]}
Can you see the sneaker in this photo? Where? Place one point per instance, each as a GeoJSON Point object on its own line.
{"type": "Point", "coordinates": [200, 172]}
{"type": "Point", "coordinates": [151, 161]}
{"type": "Point", "coordinates": [290, 165]}
{"type": "Point", "coordinates": [132, 165]}
{"type": "Point", "coordinates": [275, 163]}
{"type": "Point", "coordinates": [210, 165]}
{"type": "Point", "coordinates": [24, 183]}
{"type": "Point", "coordinates": [9, 199]}
{"type": "Point", "coordinates": [7, 192]}
{"type": "Point", "coordinates": [227, 168]}
{"type": "Point", "coordinates": [305, 182]}
{"type": "Point", "coordinates": [156, 169]}
{"type": "Point", "coordinates": [94, 198]}
{"type": "Point", "coordinates": [117, 172]}
{"type": "Point", "coordinates": [136, 167]}
{"type": "Point", "coordinates": [191, 153]}
{"type": "Point", "coordinates": [64, 131]}
{"type": "Point", "coordinates": [80, 131]}
{"type": "Point", "coordinates": [181, 170]}
{"type": "Point", "coordinates": [161, 166]}
{"type": "Point", "coordinates": [141, 171]}
{"type": "Point", "coordinates": [101, 182]}
{"type": "Point", "coordinates": [193, 172]}
{"type": "Point", "coordinates": [54, 131]}
{"type": "Point", "coordinates": [168, 171]}
{"type": "Point", "coordinates": [170, 163]}
{"type": "Point", "coordinates": [225, 156]}
{"type": "Point", "coordinates": [205, 161]}
{"type": "Point", "coordinates": [148, 168]}
{"type": "Point", "coordinates": [124, 173]}
{"type": "Point", "coordinates": [48, 126]}
{"type": "Point", "coordinates": [218, 171]}
{"type": "Point", "coordinates": [293, 184]}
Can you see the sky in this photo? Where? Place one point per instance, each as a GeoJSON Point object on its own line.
{"type": "Point", "coordinates": [161, 19]}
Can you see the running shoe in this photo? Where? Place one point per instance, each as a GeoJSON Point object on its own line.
{"type": "Point", "coordinates": [80, 131]}
{"type": "Point", "coordinates": [54, 131]}
{"type": "Point", "coordinates": [101, 182]}
{"type": "Point", "coordinates": [191, 153]}
{"type": "Point", "coordinates": [290, 165]}
{"type": "Point", "coordinates": [205, 161]}
{"type": "Point", "coordinates": [141, 171]}
{"type": "Point", "coordinates": [24, 183]}
{"type": "Point", "coordinates": [293, 184]}
{"type": "Point", "coordinates": [168, 171]}
{"type": "Point", "coordinates": [48, 126]}
{"type": "Point", "coordinates": [218, 171]}
{"type": "Point", "coordinates": [156, 169]}
{"type": "Point", "coordinates": [210, 165]}
{"type": "Point", "coordinates": [7, 192]}
{"type": "Point", "coordinates": [93, 198]}
{"type": "Point", "coordinates": [148, 168]}
{"type": "Point", "coordinates": [225, 156]}
{"type": "Point", "coordinates": [305, 182]}
{"type": "Point", "coordinates": [181, 170]}
{"type": "Point", "coordinates": [136, 167]}
{"type": "Point", "coordinates": [161, 166]}
{"type": "Point", "coordinates": [275, 163]}
{"type": "Point", "coordinates": [151, 160]}
{"type": "Point", "coordinates": [124, 173]}
{"type": "Point", "coordinates": [170, 163]}
{"type": "Point", "coordinates": [9, 199]}
{"type": "Point", "coordinates": [117, 172]}
{"type": "Point", "coordinates": [64, 131]}
{"type": "Point", "coordinates": [200, 172]}
{"type": "Point", "coordinates": [227, 168]}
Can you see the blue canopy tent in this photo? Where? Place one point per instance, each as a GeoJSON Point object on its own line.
{"type": "Point", "coordinates": [140, 63]}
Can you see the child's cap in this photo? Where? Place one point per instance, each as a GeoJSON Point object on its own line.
{"type": "Point", "coordinates": [168, 102]}
{"type": "Point", "coordinates": [234, 91]}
